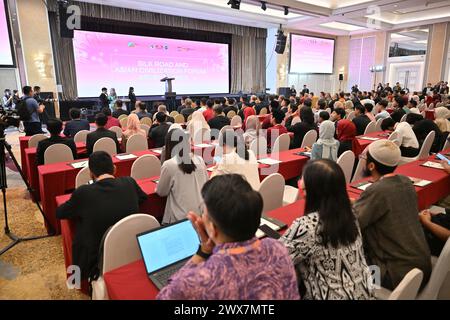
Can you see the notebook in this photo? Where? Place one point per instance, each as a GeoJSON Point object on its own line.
{"type": "Point", "coordinates": [434, 165]}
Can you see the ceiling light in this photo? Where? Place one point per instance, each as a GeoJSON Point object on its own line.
{"type": "Point", "coordinates": [263, 5]}
{"type": "Point", "coordinates": [235, 4]}
{"type": "Point", "coordinates": [286, 11]}
{"type": "Point", "coordinates": [341, 26]}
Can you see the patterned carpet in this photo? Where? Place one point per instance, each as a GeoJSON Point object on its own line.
{"type": "Point", "coordinates": [33, 269]}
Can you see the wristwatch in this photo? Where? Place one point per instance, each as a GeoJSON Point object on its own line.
{"type": "Point", "coordinates": [202, 254]}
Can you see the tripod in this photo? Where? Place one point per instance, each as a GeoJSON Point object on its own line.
{"type": "Point", "coordinates": [3, 185]}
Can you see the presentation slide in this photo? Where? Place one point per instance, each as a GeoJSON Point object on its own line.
{"type": "Point", "coordinates": [311, 54]}
{"type": "Point", "coordinates": [6, 58]}
{"type": "Point", "coordinates": [122, 61]}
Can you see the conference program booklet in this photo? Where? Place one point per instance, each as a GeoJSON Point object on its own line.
{"type": "Point", "coordinates": [419, 182]}
{"type": "Point", "coordinates": [362, 185]}
{"type": "Point", "coordinates": [126, 156]}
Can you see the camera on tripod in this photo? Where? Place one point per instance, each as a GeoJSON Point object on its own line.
{"type": "Point", "coordinates": [8, 118]}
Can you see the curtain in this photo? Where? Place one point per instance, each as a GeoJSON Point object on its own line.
{"type": "Point", "coordinates": [248, 44]}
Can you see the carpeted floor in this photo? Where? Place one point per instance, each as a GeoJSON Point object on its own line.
{"type": "Point", "coordinates": [33, 269]}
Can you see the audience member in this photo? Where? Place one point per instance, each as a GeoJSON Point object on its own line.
{"type": "Point", "coordinates": [277, 128]}
{"type": "Point", "coordinates": [133, 127]}
{"type": "Point", "coordinates": [300, 129]}
{"type": "Point", "coordinates": [409, 145]}
{"type": "Point", "coordinates": [159, 129]}
{"type": "Point", "coordinates": [101, 132]}
{"type": "Point", "coordinates": [220, 120]}
{"type": "Point", "coordinates": [112, 122]}
{"type": "Point", "coordinates": [326, 147]}
{"type": "Point", "coordinates": [361, 120]}
{"type": "Point", "coordinates": [118, 111]}
{"type": "Point", "coordinates": [76, 124]}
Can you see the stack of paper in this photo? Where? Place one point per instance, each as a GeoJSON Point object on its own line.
{"type": "Point", "coordinates": [269, 161]}
{"type": "Point", "coordinates": [419, 182]}
{"type": "Point", "coordinates": [80, 164]}
{"type": "Point", "coordinates": [126, 156]}
{"type": "Point", "coordinates": [431, 164]}
{"type": "Point", "coordinates": [369, 138]}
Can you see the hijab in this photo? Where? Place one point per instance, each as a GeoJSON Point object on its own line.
{"type": "Point", "coordinates": [327, 141]}
{"type": "Point", "coordinates": [442, 114]}
{"type": "Point", "coordinates": [346, 130]}
{"type": "Point", "coordinates": [133, 126]}
{"type": "Point", "coordinates": [197, 123]}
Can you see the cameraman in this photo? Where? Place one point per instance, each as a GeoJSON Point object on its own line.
{"type": "Point", "coordinates": [7, 100]}
{"type": "Point", "coordinates": [32, 126]}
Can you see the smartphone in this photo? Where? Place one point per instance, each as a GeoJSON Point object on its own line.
{"type": "Point", "coordinates": [269, 231]}
{"type": "Point", "coordinates": [442, 157]}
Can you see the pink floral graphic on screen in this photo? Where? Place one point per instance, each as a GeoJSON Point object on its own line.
{"type": "Point", "coordinates": [311, 54]}
{"type": "Point", "coordinates": [120, 61]}
{"type": "Point", "coordinates": [5, 47]}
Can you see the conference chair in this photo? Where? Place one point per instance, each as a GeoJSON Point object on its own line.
{"type": "Point", "coordinates": [137, 142]}
{"type": "Point", "coordinates": [346, 161]}
{"type": "Point", "coordinates": [236, 121]}
{"type": "Point", "coordinates": [263, 111]}
{"type": "Point", "coordinates": [351, 116]}
{"type": "Point", "coordinates": [403, 119]}
{"type": "Point", "coordinates": [124, 122]}
{"type": "Point", "coordinates": [394, 138]}
{"type": "Point", "coordinates": [231, 114]}
{"type": "Point", "coordinates": [272, 191]}
{"type": "Point", "coordinates": [147, 121]}
{"type": "Point", "coordinates": [83, 177]}
{"type": "Point", "coordinates": [57, 153]}
{"type": "Point", "coordinates": [34, 140]}
{"type": "Point", "coordinates": [173, 114]}
{"type": "Point", "coordinates": [295, 120]}
{"type": "Point", "coordinates": [146, 166]}
{"type": "Point", "coordinates": [81, 136]}
{"type": "Point", "coordinates": [438, 275]}
{"type": "Point", "coordinates": [424, 150]}
{"type": "Point", "coordinates": [146, 128]}
{"type": "Point", "coordinates": [371, 127]}
{"type": "Point", "coordinates": [106, 144]}
{"type": "Point", "coordinates": [121, 248]}
{"type": "Point", "coordinates": [407, 289]}
{"type": "Point", "coordinates": [122, 116]}
{"type": "Point", "coordinates": [259, 146]}
{"type": "Point", "coordinates": [447, 144]}
{"type": "Point", "coordinates": [281, 143]}
{"type": "Point", "coordinates": [309, 139]}
{"type": "Point", "coordinates": [358, 175]}
{"type": "Point", "coordinates": [179, 118]}
{"type": "Point", "coordinates": [117, 130]}
{"type": "Point", "coordinates": [378, 125]}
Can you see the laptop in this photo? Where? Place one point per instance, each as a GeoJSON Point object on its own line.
{"type": "Point", "coordinates": [165, 250]}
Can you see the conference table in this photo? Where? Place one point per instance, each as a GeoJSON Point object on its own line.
{"type": "Point", "coordinates": [29, 164]}
{"type": "Point", "coordinates": [428, 195]}
{"type": "Point", "coordinates": [362, 142]}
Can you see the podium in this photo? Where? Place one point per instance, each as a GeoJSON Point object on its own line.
{"type": "Point", "coordinates": [169, 94]}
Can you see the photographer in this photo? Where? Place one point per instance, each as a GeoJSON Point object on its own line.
{"type": "Point", "coordinates": [33, 124]}
{"type": "Point", "coordinates": [7, 101]}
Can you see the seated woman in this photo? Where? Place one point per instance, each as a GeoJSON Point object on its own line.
{"type": "Point", "coordinates": [409, 145]}
{"type": "Point", "coordinates": [301, 128]}
{"type": "Point", "coordinates": [423, 127]}
{"type": "Point", "coordinates": [326, 147]}
{"type": "Point", "coordinates": [326, 244]}
{"type": "Point", "coordinates": [183, 175]}
{"type": "Point", "coordinates": [133, 127]}
{"type": "Point", "coordinates": [236, 158]}
{"type": "Point", "coordinates": [251, 130]}
{"type": "Point", "coordinates": [346, 133]}
{"type": "Point", "coordinates": [442, 114]}
{"type": "Point", "coordinates": [198, 127]}
{"type": "Point", "coordinates": [231, 263]}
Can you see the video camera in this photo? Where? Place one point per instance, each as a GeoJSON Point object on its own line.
{"type": "Point", "coordinates": [8, 118]}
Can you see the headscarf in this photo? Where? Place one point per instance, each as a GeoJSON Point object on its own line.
{"type": "Point", "coordinates": [327, 141]}
{"type": "Point", "coordinates": [197, 123]}
{"type": "Point", "coordinates": [252, 123]}
{"type": "Point", "coordinates": [133, 126]}
{"type": "Point", "coordinates": [346, 130]}
{"type": "Point", "coordinates": [442, 114]}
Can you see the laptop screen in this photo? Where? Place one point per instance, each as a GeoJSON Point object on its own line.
{"type": "Point", "coordinates": [168, 245]}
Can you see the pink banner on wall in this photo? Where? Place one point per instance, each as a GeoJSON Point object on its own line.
{"type": "Point", "coordinates": [311, 54]}
{"type": "Point", "coordinates": [122, 61]}
{"type": "Point", "coordinates": [6, 58]}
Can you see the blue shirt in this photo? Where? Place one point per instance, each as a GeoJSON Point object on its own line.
{"type": "Point", "coordinates": [74, 126]}
{"type": "Point", "coordinates": [33, 108]}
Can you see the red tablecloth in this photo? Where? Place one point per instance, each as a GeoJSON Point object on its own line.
{"type": "Point", "coordinates": [23, 144]}
{"type": "Point", "coordinates": [31, 166]}
{"type": "Point", "coordinates": [291, 165]}
{"type": "Point", "coordinates": [359, 144]}
{"type": "Point", "coordinates": [428, 195]}
{"type": "Point", "coordinates": [430, 114]}
{"type": "Point", "coordinates": [58, 178]}
{"type": "Point", "coordinates": [130, 282]}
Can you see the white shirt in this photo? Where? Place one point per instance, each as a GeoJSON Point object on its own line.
{"type": "Point", "coordinates": [406, 135]}
{"type": "Point", "coordinates": [233, 163]}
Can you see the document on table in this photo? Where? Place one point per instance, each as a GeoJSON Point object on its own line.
{"type": "Point", "coordinates": [419, 182]}
{"type": "Point", "coordinates": [126, 156]}
{"type": "Point", "coordinates": [80, 164]}
{"type": "Point", "coordinates": [431, 164]}
{"type": "Point", "coordinates": [269, 161]}
{"type": "Point", "coordinates": [157, 150]}
{"type": "Point", "coordinates": [362, 186]}
{"type": "Point", "coordinates": [203, 145]}
{"type": "Point", "coordinates": [369, 138]}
